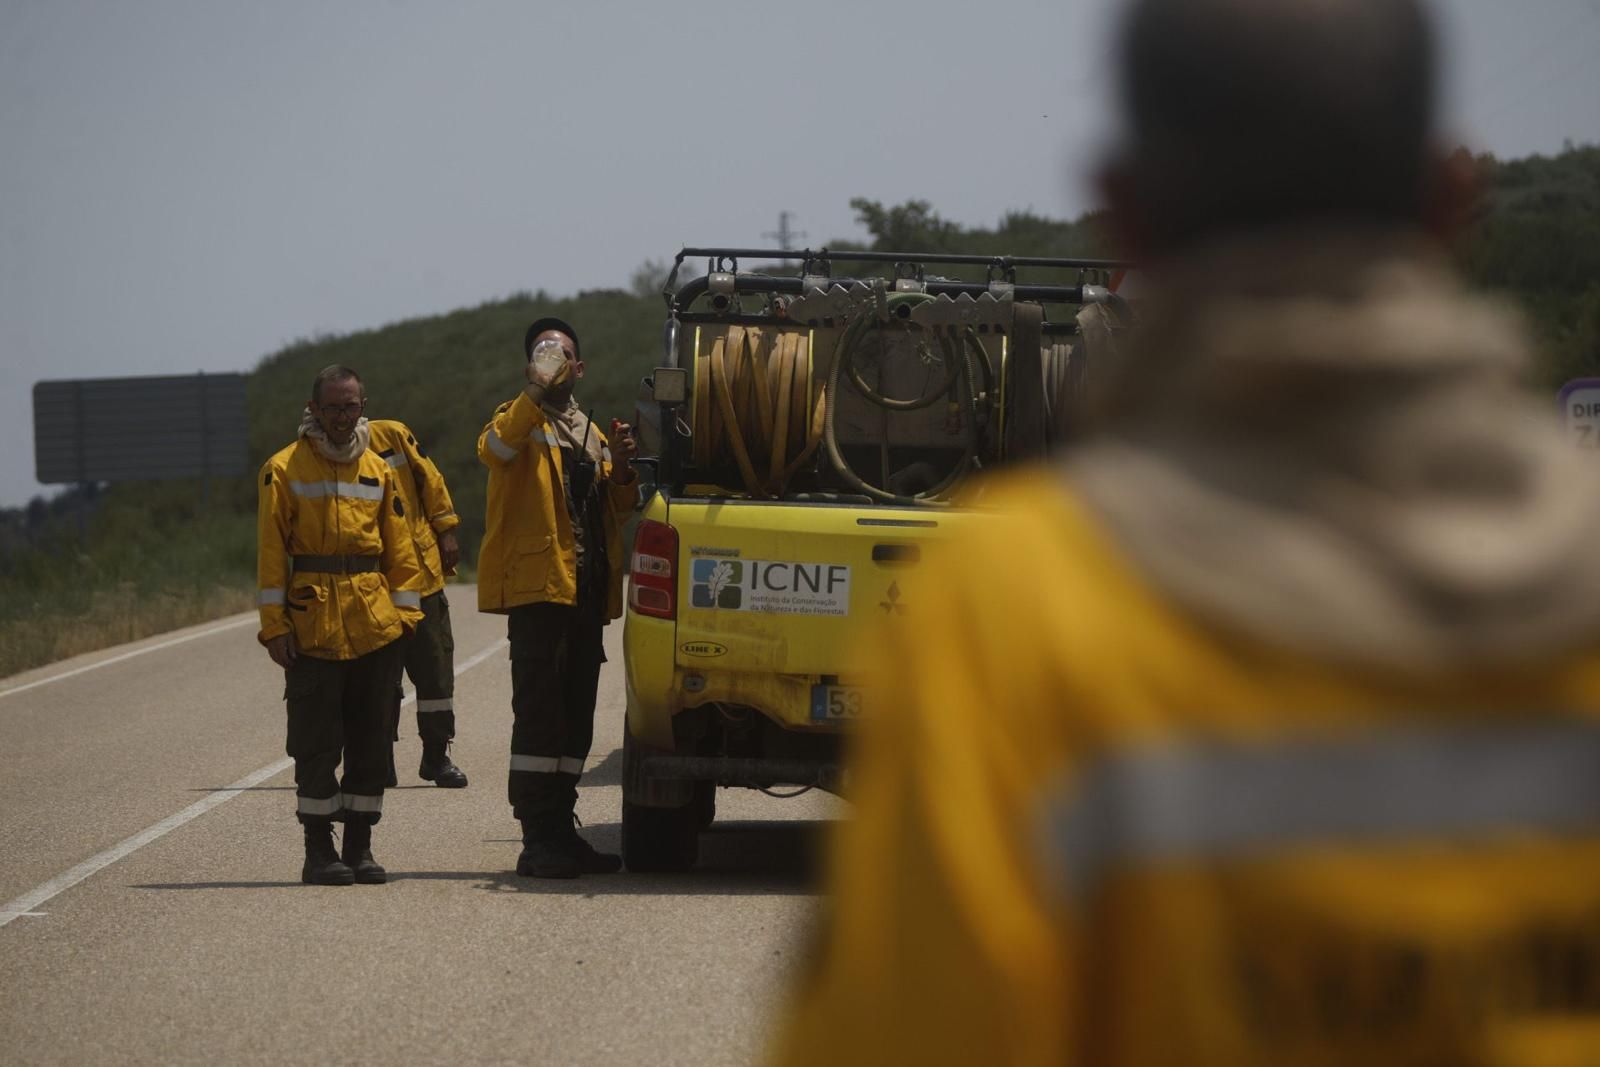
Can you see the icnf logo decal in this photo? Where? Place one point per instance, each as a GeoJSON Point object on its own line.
{"type": "Point", "coordinates": [774, 586]}
{"type": "Point", "coordinates": [717, 583]}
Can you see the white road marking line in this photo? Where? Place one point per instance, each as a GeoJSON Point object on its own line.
{"type": "Point", "coordinates": [234, 625]}
{"type": "Point", "coordinates": [62, 882]}
{"type": "Point", "coordinates": [25, 904]}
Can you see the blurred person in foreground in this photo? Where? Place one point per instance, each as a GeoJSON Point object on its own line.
{"type": "Point", "coordinates": [1265, 727]}
{"type": "Point", "coordinates": [339, 587]}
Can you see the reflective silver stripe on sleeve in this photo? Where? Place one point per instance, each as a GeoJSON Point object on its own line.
{"type": "Point", "coordinates": [1199, 802]}
{"type": "Point", "coordinates": [269, 596]}
{"type": "Point", "coordinates": [357, 802]}
{"type": "Point", "coordinates": [499, 447]}
{"type": "Point", "coordinates": [571, 766]}
{"type": "Point", "coordinates": [317, 805]}
{"type": "Point", "coordinates": [317, 490]}
{"type": "Point", "coordinates": [536, 764]}
{"type": "Point", "coordinates": [406, 598]}
{"type": "Point", "coordinates": [396, 460]}
{"type": "Point", "coordinates": [447, 704]}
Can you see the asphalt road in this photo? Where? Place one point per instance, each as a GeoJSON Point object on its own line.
{"type": "Point", "coordinates": [151, 909]}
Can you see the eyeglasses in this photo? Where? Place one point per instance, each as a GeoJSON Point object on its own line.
{"type": "Point", "coordinates": [343, 411]}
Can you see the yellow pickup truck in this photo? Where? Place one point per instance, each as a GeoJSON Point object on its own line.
{"type": "Point", "coordinates": [809, 436]}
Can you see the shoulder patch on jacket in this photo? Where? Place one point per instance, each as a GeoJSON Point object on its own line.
{"type": "Point", "coordinates": [386, 453]}
{"type": "Point", "coordinates": [399, 508]}
{"type": "Point", "coordinates": [267, 479]}
{"type": "Point", "coordinates": [364, 480]}
{"type": "Point", "coordinates": [423, 452]}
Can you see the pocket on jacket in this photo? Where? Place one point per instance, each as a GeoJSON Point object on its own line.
{"type": "Point", "coordinates": [530, 567]}
{"type": "Point", "coordinates": [383, 621]}
{"type": "Point", "coordinates": [308, 614]}
{"type": "Point", "coordinates": [425, 540]}
{"type": "Point", "coordinates": [429, 561]}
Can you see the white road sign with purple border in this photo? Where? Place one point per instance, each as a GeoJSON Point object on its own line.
{"type": "Point", "coordinates": [1580, 411]}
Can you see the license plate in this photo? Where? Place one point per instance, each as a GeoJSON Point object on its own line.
{"type": "Point", "coordinates": [836, 702]}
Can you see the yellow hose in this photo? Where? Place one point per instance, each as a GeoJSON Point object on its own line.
{"type": "Point", "coordinates": [755, 398]}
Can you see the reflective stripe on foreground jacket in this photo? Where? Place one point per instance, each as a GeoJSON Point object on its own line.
{"type": "Point", "coordinates": [1090, 830]}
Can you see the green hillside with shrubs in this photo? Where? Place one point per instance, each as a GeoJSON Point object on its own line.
{"type": "Point", "coordinates": [79, 572]}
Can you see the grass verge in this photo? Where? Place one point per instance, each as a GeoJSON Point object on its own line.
{"type": "Point", "coordinates": [155, 558]}
{"type": "Point", "coordinates": [112, 617]}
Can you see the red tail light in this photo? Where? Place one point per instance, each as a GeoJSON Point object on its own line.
{"type": "Point", "coordinates": [653, 589]}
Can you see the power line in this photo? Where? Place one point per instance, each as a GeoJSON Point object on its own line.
{"type": "Point", "coordinates": [783, 234]}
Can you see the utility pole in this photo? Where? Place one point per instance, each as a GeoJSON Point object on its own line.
{"type": "Point", "coordinates": [783, 235]}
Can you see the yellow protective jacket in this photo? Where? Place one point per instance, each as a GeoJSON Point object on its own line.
{"type": "Point", "coordinates": [1090, 830]}
{"type": "Point", "coordinates": [311, 506]}
{"type": "Point", "coordinates": [529, 554]}
{"type": "Point", "coordinates": [427, 499]}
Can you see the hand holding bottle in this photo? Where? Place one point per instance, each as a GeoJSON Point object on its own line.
{"type": "Point", "coordinates": [548, 366]}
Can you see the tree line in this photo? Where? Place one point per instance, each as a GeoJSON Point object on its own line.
{"type": "Point", "coordinates": [1536, 241]}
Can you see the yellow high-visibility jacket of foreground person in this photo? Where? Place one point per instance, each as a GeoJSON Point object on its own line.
{"type": "Point", "coordinates": [1251, 733]}
{"type": "Point", "coordinates": [1060, 854]}
{"type": "Point", "coordinates": [310, 506]}
{"type": "Point", "coordinates": [426, 497]}
{"type": "Point", "coordinates": [529, 554]}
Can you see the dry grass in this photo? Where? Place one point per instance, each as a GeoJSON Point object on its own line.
{"type": "Point", "coordinates": [113, 617]}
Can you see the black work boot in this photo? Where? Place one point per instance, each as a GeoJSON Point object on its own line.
{"type": "Point", "coordinates": [437, 768]}
{"type": "Point", "coordinates": [357, 854]}
{"type": "Point", "coordinates": [322, 865]}
{"type": "Point", "coordinates": [590, 860]}
{"type": "Point", "coordinates": [544, 851]}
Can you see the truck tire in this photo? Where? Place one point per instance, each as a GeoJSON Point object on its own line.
{"type": "Point", "coordinates": [655, 839]}
{"type": "Point", "coordinates": [705, 804]}
{"type": "Point", "coordinates": [659, 839]}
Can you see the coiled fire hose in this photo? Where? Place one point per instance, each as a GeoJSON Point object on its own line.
{"type": "Point", "coordinates": [960, 369]}
{"type": "Point", "coordinates": [756, 398]}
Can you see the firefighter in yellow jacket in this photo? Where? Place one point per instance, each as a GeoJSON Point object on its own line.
{"type": "Point", "coordinates": [1265, 727]}
{"type": "Point", "coordinates": [552, 562]}
{"type": "Point", "coordinates": [339, 587]}
{"type": "Point", "coordinates": [430, 652]}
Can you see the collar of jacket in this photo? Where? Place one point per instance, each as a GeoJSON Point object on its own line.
{"type": "Point", "coordinates": [571, 427]}
{"type": "Point", "coordinates": [359, 441]}
{"type": "Point", "coordinates": [1321, 440]}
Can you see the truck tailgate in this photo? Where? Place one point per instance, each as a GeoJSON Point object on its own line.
{"type": "Point", "coordinates": [788, 587]}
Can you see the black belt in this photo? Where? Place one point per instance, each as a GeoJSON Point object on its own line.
{"type": "Point", "coordinates": [336, 564]}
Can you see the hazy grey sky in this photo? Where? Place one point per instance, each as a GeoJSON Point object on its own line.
{"type": "Point", "coordinates": [189, 186]}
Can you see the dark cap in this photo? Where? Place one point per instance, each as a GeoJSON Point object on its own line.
{"type": "Point", "coordinates": [541, 326]}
